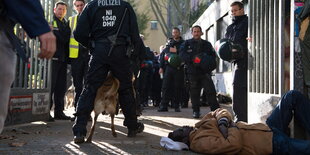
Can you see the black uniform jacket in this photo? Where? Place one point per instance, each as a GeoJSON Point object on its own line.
{"type": "Point", "coordinates": [172, 43]}
{"type": "Point", "coordinates": [190, 48]}
{"type": "Point", "coordinates": [62, 33]}
{"type": "Point", "coordinates": [238, 32]}
{"type": "Point", "coordinates": [101, 19]}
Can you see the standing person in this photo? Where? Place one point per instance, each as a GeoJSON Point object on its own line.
{"type": "Point", "coordinates": [237, 32]}
{"type": "Point", "coordinates": [156, 81]}
{"type": "Point", "coordinates": [217, 133]}
{"type": "Point", "coordinates": [104, 24]}
{"type": "Point", "coordinates": [77, 53]}
{"type": "Point", "coordinates": [62, 32]}
{"type": "Point", "coordinates": [22, 11]}
{"type": "Point", "coordinates": [145, 78]}
{"type": "Point", "coordinates": [174, 72]}
{"type": "Point", "coordinates": [199, 55]}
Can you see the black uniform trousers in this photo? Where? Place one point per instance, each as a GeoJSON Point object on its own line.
{"type": "Point", "coordinates": [145, 84]}
{"type": "Point", "coordinates": [173, 82]}
{"type": "Point", "coordinates": [79, 67]}
{"type": "Point", "coordinates": [240, 97]}
{"type": "Point", "coordinates": [198, 82]}
{"type": "Point", "coordinates": [59, 86]}
{"type": "Point", "coordinates": [99, 66]}
{"type": "Point", "coordinates": [156, 87]}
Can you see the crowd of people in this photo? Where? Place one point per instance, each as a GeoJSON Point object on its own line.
{"type": "Point", "coordinates": [104, 37]}
{"type": "Point", "coordinates": [94, 46]}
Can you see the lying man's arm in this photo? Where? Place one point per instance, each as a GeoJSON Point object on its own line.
{"type": "Point", "coordinates": [208, 138]}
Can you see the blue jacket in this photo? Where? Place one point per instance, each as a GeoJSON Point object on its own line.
{"type": "Point", "coordinates": [29, 14]}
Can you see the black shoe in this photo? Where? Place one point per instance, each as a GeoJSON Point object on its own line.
{"type": "Point", "coordinates": [62, 117]}
{"type": "Point", "coordinates": [196, 114]}
{"type": "Point", "coordinates": [162, 109]}
{"type": "Point", "coordinates": [177, 109]}
{"type": "Point", "coordinates": [79, 138]}
{"type": "Point", "coordinates": [133, 132]}
{"type": "Point", "coordinates": [51, 119]}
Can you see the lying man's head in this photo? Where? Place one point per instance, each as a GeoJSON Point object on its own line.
{"type": "Point", "coordinates": [181, 134]}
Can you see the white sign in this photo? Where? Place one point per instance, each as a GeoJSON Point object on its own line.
{"type": "Point", "coordinates": [40, 103]}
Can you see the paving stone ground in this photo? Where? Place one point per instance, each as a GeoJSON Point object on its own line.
{"type": "Point", "coordinates": [56, 137]}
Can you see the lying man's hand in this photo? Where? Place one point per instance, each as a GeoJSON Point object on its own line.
{"type": "Point", "coordinates": [224, 130]}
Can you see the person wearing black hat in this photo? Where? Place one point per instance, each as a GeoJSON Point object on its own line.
{"type": "Point", "coordinates": [237, 32]}
{"type": "Point", "coordinates": [199, 55]}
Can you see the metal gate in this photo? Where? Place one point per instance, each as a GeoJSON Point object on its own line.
{"type": "Point", "coordinates": [30, 92]}
{"type": "Point", "coordinates": [266, 60]}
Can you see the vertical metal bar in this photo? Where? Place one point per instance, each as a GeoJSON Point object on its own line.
{"type": "Point", "coordinates": [271, 46]}
{"type": "Point", "coordinates": [266, 46]}
{"type": "Point", "coordinates": [257, 38]}
{"type": "Point", "coordinates": [276, 47]}
{"type": "Point", "coordinates": [26, 65]}
{"type": "Point", "coordinates": [36, 65]}
{"type": "Point", "coordinates": [250, 46]}
{"type": "Point", "coordinates": [261, 50]}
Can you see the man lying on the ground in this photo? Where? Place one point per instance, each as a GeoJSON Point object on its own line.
{"type": "Point", "coordinates": [216, 133]}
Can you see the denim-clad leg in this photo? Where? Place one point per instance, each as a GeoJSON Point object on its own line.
{"type": "Point", "coordinates": [293, 102]}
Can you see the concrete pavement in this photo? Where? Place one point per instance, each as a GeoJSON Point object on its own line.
{"type": "Point", "coordinates": [56, 137]}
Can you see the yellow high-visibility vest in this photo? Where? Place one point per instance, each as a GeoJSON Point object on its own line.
{"type": "Point", "coordinates": [73, 45]}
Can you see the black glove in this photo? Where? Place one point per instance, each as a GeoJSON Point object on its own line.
{"type": "Point", "coordinates": [223, 125]}
{"type": "Point", "coordinates": [224, 130]}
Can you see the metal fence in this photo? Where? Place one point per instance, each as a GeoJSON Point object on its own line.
{"type": "Point", "coordinates": [36, 73]}
{"type": "Point", "coordinates": [266, 27]}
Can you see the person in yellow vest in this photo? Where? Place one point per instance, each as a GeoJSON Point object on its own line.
{"type": "Point", "coordinates": [77, 53]}
{"type": "Point", "coordinates": [62, 32]}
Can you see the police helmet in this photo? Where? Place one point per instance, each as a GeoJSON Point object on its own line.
{"type": "Point", "coordinates": [175, 60]}
{"type": "Point", "coordinates": [204, 61]}
{"type": "Point", "coordinates": [223, 48]}
{"type": "Point", "coordinates": [197, 59]}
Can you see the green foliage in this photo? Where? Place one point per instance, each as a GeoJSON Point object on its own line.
{"type": "Point", "coordinates": [142, 18]}
{"type": "Point", "coordinates": [194, 15]}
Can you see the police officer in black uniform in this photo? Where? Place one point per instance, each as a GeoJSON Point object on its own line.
{"type": "Point", "coordinates": [174, 72]}
{"type": "Point", "coordinates": [194, 51]}
{"type": "Point", "coordinates": [156, 81]}
{"type": "Point", "coordinates": [62, 32]}
{"type": "Point", "coordinates": [108, 26]}
{"type": "Point", "coordinates": [237, 32]}
{"type": "Point", "coordinates": [145, 78]}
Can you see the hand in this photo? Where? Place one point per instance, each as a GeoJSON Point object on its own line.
{"type": "Point", "coordinates": [173, 49]}
{"type": "Point", "coordinates": [224, 130]}
{"type": "Point", "coordinates": [249, 39]}
{"type": "Point", "coordinates": [48, 45]}
{"type": "Point", "coordinates": [160, 71]}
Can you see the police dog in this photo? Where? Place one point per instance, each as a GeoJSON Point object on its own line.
{"type": "Point", "coordinates": [106, 102]}
{"type": "Point", "coordinates": [70, 94]}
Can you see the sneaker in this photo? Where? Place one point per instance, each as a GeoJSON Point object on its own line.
{"type": "Point", "coordinates": [133, 132]}
{"type": "Point", "coordinates": [79, 138]}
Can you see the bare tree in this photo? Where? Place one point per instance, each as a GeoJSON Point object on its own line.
{"type": "Point", "coordinates": [179, 12]}
{"type": "Point", "coordinates": [158, 7]}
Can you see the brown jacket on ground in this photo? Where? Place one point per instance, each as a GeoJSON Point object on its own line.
{"type": "Point", "coordinates": [247, 139]}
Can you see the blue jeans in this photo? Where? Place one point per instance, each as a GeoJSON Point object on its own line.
{"type": "Point", "coordinates": [292, 103]}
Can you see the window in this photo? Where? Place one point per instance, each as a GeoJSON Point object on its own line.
{"type": "Point", "coordinates": [154, 25]}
